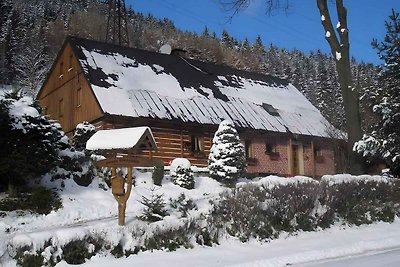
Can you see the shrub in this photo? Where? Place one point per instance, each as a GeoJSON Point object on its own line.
{"type": "Point", "coordinates": [181, 173]}
{"type": "Point", "coordinates": [154, 207]}
{"type": "Point", "coordinates": [204, 238]}
{"type": "Point", "coordinates": [44, 200]}
{"type": "Point", "coordinates": [264, 211]}
{"type": "Point", "coordinates": [30, 260]}
{"type": "Point", "coordinates": [240, 212]}
{"type": "Point", "coordinates": [183, 205]}
{"type": "Point", "coordinates": [77, 251]}
{"type": "Point", "coordinates": [171, 238]}
{"type": "Point", "coordinates": [361, 201]}
{"type": "Point", "coordinates": [39, 200]}
{"type": "Point", "coordinates": [117, 251]}
{"type": "Point", "coordinates": [158, 173]}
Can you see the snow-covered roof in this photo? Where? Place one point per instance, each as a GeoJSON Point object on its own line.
{"type": "Point", "coordinates": [126, 138]}
{"type": "Point", "coordinates": [137, 83]}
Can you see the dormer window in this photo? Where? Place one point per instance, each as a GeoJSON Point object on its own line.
{"type": "Point", "coordinates": [270, 109]}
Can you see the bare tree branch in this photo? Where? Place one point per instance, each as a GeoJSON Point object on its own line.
{"type": "Point", "coordinates": [326, 21]}
{"type": "Point", "coordinates": [235, 6]}
{"type": "Point", "coordinates": [342, 25]}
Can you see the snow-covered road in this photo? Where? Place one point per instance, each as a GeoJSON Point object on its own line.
{"type": "Point", "coordinates": [373, 259]}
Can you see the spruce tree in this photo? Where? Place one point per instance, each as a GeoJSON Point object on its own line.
{"type": "Point", "coordinates": [226, 161]}
{"type": "Point", "coordinates": [383, 141]}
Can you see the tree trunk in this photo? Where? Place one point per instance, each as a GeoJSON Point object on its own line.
{"type": "Point", "coordinates": [340, 49]}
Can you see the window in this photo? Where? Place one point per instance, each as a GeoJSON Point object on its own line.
{"type": "Point", "coordinates": [196, 143]}
{"type": "Point", "coordinates": [317, 152]}
{"type": "Point", "coordinates": [61, 70]}
{"type": "Point", "coordinates": [78, 97]}
{"type": "Point", "coordinates": [71, 58]}
{"type": "Point", "coordinates": [270, 149]}
{"type": "Point", "coordinates": [60, 108]}
{"type": "Point", "coordinates": [319, 158]}
{"type": "Point", "coordinates": [270, 109]}
{"type": "Point", "coordinates": [248, 148]}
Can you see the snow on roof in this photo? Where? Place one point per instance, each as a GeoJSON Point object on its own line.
{"type": "Point", "coordinates": [138, 83]}
{"type": "Point", "coordinates": [125, 138]}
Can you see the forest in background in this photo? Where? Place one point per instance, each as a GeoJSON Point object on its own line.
{"type": "Point", "coordinates": [32, 32]}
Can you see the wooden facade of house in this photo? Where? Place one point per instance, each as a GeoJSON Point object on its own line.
{"type": "Point", "coordinates": [77, 90]}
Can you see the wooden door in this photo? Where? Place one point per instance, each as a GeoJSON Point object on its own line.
{"type": "Point", "coordinates": [295, 160]}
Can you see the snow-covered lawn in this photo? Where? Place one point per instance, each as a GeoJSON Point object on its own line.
{"type": "Point", "coordinates": [92, 210]}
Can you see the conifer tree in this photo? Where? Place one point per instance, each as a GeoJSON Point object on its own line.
{"type": "Point", "coordinates": [384, 139]}
{"type": "Point", "coordinates": [226, 161]}
{"type": "Point", "coordinates": [83, 132]}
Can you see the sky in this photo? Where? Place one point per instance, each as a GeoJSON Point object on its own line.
{"type": "Point", "coordinates": [299, 28]}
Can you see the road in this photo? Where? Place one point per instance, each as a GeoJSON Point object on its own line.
{"type": "Point", "coordinates": [373, 259]}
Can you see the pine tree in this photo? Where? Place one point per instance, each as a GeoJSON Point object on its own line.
{"type": "Point", "coordinates": [384, 139]}
{"type": "Point", "coordinates": [181, 173]}
{"type": "Point", "coordinates": [227, 40]}
{"type": "Point", "coordinates": [226, 161]}
{"type": "Point", "coordinates": [206, 33]}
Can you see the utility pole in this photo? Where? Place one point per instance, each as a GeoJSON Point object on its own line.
{"type": "Point", "coordinates": [117, 23]}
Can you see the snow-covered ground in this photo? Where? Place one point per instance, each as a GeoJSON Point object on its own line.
{"type": "Point", "coordinates": [337, 242]}
{"type": "Point", "coordinates": [92, 210]}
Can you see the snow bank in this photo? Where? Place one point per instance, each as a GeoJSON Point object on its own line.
{"type": "Point", "coordinates": [348, 178]}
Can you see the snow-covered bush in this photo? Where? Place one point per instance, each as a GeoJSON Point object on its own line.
{"type": "Point", "coordinates": [77, 251]}
{"type": "Point", "coordinates": [263, 211]}
{"type": "Point", "coordinates": [226, 161]}
{"type": "Point", "coordinates": [171, 238]}
{"type": "Point", "coordinates": [83, 132]}
{"type": "Point", "coordinates": [360, 200]}
{"type": "Point", "coordinates": [265, 208]}
{"type": "Point", "coordinates": [183, 205]}
{"type": "Point", "coordinates": [181, 173]}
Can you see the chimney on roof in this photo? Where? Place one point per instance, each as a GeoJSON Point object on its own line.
{"type": "Point", "coordinates": [168, 50]}
{"type": "Point", "coordinates": [165, 49]}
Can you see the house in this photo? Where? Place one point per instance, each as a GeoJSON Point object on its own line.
{"type": "Point", "coordinates": [183, 101]}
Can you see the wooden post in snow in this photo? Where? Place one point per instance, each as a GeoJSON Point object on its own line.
{"type": "Point", "coordinates": [130, 141]}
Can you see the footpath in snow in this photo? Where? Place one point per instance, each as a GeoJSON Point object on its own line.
{"type": "Point", "coordinates": [306, 247]}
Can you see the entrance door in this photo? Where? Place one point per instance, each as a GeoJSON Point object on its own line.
{"type": "Point", "coordinates": [295, 160]}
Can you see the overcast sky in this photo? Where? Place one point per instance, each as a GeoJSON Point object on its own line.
{"type": "Point", "coordinates": [300, 28]}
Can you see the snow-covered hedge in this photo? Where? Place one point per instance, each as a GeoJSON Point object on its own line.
{"type": "Point", "coordinates": [271, 205]}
